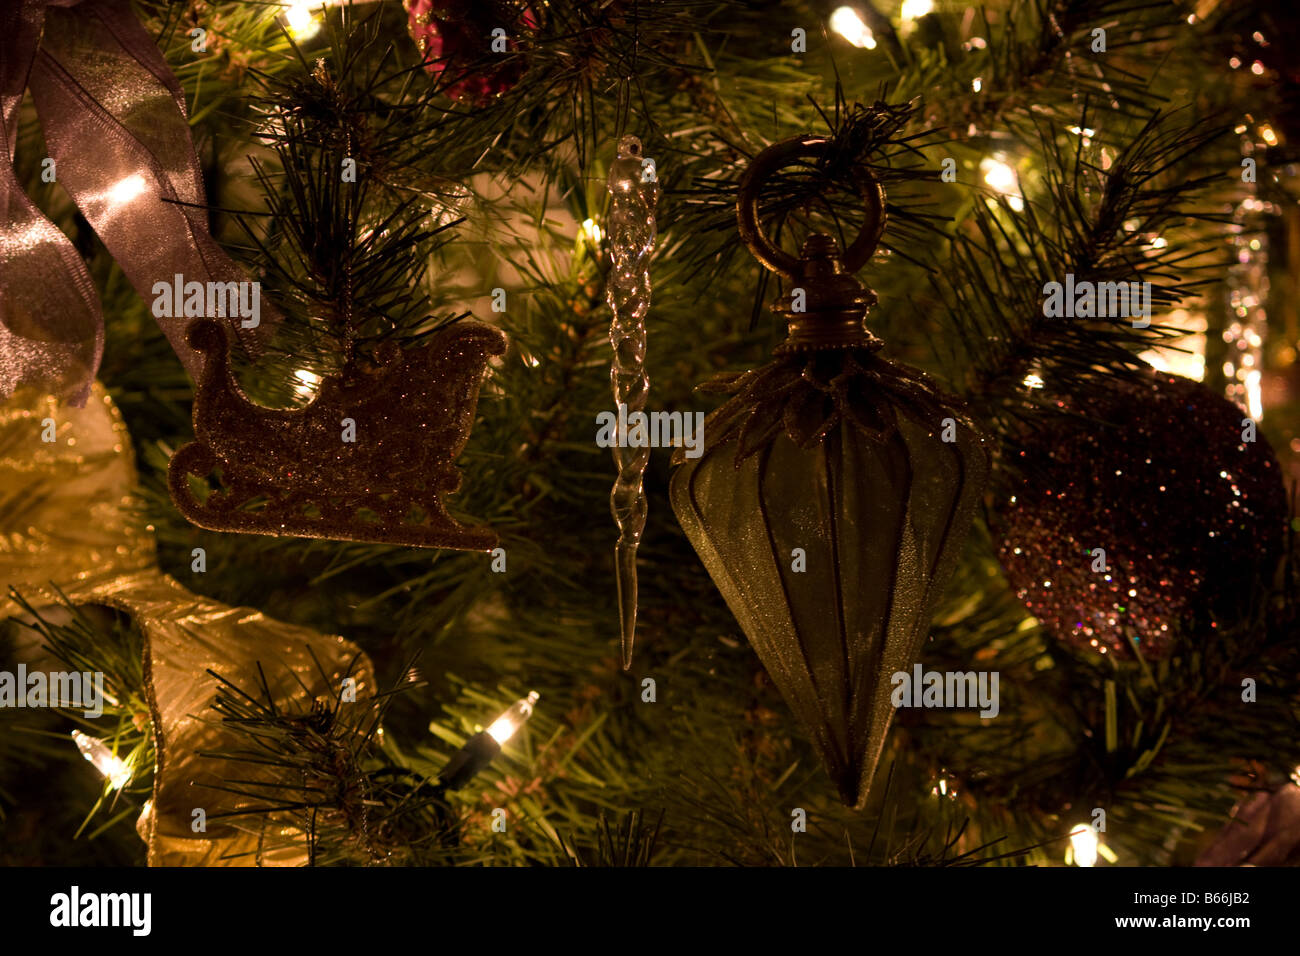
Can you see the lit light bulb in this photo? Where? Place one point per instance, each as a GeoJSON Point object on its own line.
{"type": "Point", "coordinates": [1002, 179]}
{"type": "Point", "coordinates": [481, 749]}
{"type": "Point", "coordinates": [1266, 131]}
{"type": "Point", "coordinates": [505, 726]}
{"type": "Point", "coordinates": [1083, 844]}
{"type": "Point", "coordinates": [591, 231]}
{"type": "Point", "coordinates": [1184, 355]}
{"type": "Point", "coordinates": [1254, 395]}
{"type": "Point", "coordinates": [847, 23]}
{"type": "Point", "coordinates": [103, 759]}
{"type": "Point", "coordinates": [1083, 133]}
{"type": "Point", "coordinates": [307, 383]}
{"type": "Point", "coordinates": [302, 23]}
{"type": "Point", "coordinates": [1033, 380]}
{"type": "Point", "coordinates": [915, 9]}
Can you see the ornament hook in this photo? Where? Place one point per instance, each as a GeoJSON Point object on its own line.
{"type": "Point", "coordinates": [767, 252]}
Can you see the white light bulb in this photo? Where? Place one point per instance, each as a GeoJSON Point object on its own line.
{"type": "Point", "coordinates": [592, 232]}
{"type": "Point", "coordinates": [915, 9]}
{"type": "Point", "coordinates": [112, 767]}
{"type": "Point", "coordinates": [1083, 841]}
{"type": "Point", "coordinates": [1002, 178]}
{"type": "Point", "coordinates": [1254, 395]}
{"type": "Point", "coordinates": [847, 23]}
{"type": "Point", "coordinates": [302, 23]}
{"type": "Point", "coordinates": [505, 726]}
{"type": "Point", "coordinates": [307, 384]}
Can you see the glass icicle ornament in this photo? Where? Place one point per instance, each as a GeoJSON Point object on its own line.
{"type": "Point", "coordinates": [832, 496]}
{"type": "Point", "coordinates": [634, 192]}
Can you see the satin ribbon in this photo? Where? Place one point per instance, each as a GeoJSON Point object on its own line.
{"type": "Point", "coordinates": [115, 125]}
{"type": "Point", "coordinates": [71, 529]}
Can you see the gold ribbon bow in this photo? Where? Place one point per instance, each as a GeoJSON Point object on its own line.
{"type": "Point", "coordinates": [67, 524]}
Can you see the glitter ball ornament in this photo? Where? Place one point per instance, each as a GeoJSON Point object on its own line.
{"type": "Point", "coordinates": [370, 459]}
{"type": "Point", "coordinates": [833, 494]}
{"type": "Point", "coordinates": [1154, 506]}
{"type": "Point", "coordinates": [457, 36]}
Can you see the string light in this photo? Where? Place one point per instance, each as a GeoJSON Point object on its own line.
{"type": "Point", "coordinates": [1085, 846]}
{"type": "Point", "coordinates": [591, 231]}
{"type": "Point", "coordinates": [915, 9]}
{"type": "Point", "coordinates": [847, 23]}
{"type": "Point", "coordinates": [1002, 179]}
{"type": "Point", "coordinates": [481, 749]}
{"type": "Point", "coordinates": [307, 383]}
{"type": "Point", "coordinates": [112, 767]}
{"type": "Point", "coordinates": [1083, 133]}
{"type": "Point", "coordinates": [300, 20]}
{"type": "Point", "coordinates": [1184, 355]}
{"type": "Point", "coordinates": [505, 726]}
{"type": "Point", "coordinates": [1247, 292]}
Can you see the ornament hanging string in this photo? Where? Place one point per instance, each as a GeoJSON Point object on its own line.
{"type": "Point", "coordinates": [114, 120]}
{"type": "Point", "coordinates": [633, 195]}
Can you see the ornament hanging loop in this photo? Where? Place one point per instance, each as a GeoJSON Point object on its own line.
{"type": "Point", "coordinates": [774, 158]}
{"type": "Point", "coordinates": [827, 306]}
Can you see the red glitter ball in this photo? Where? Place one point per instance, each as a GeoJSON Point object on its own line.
{"type": "Point", "coordinates": [1157, 473]}
{"type": "Point", "coordinates": [457, 35]}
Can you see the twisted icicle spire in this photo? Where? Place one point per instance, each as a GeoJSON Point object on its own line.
{"type": "Point", "coordinates": [633, 195]}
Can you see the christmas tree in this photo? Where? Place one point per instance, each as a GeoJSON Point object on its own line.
{"type": "Point", "coordinates": [361, 503]}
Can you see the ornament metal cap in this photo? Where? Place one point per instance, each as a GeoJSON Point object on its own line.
{"type": "Point", "coordinates": [826, 307]}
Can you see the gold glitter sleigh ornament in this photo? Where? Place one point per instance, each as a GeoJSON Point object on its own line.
{"type": "Point", "coordinates": [369, 459]}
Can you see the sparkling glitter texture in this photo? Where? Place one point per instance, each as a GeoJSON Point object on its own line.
{"type": "Point", "coordinates": [632, 199]}
{"type": "Point", "coordinates": [294, 472]}
{"type": "Point", "coordinates": [1157, 474]}
{"type": "Point", "coordinates": [829, 506]}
